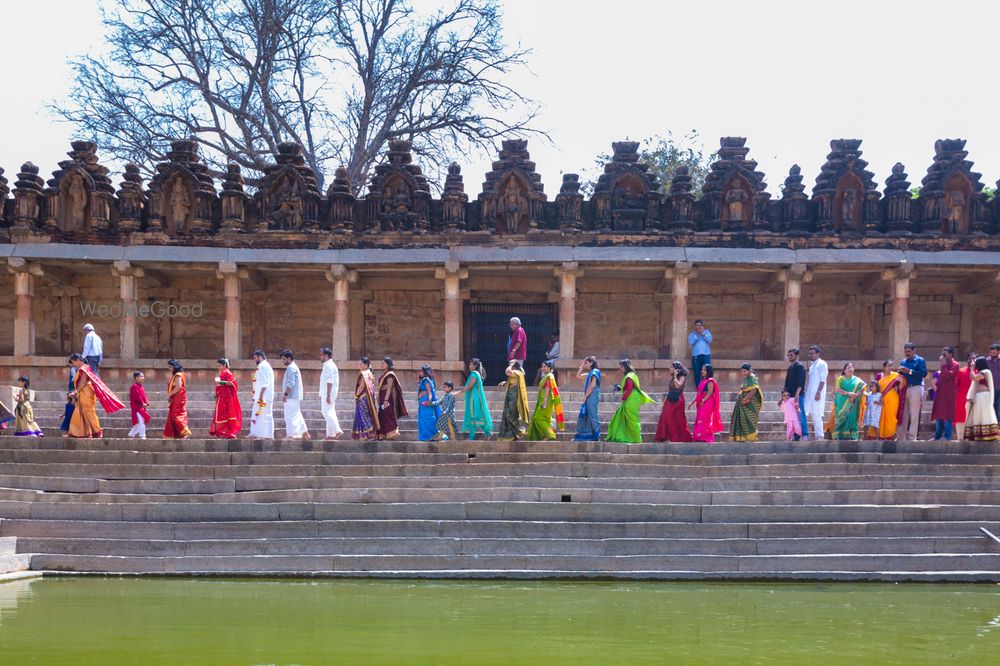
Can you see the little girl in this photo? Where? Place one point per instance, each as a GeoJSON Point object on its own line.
{"type": "Point", "coordinates": [793, 424]}
{"type": "Point", "coordinates": [24, 417]}
{"type": "Point", "coordinates": [873, 411]}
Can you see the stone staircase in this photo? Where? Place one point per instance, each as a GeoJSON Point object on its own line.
{"type": "Point", "coordinates": [772, 510]}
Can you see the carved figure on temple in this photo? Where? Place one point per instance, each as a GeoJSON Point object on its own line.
{"type": "Point", "coordinates": [76, 205]}
{"type": "Point", "coordinates": [514, 208]}
{"type": "Point", "coordinates": [955, 203]}
{"type": "Point", "coordinates": [736, 200]}
{"type": "Point", "coordinates": [401, 202]}
{"type": "Point", "coordinates": [179, 206]}
{"type": "Point", "coordinates": [848, 209]}
{"type": "Point", "coordinates": [287, 212]}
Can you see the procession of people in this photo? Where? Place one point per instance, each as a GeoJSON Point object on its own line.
{"type": "Point", "coordinates": [886, 406]}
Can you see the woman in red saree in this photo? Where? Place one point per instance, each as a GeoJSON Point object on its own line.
{"type": "Point", "coordinates": [176, 426]}
{"type": "Point", "coordinates": [390, 402]}
{"type": "Point", "coordinates": [227, 421]}
{"type": "Point", "coordinates": [708, 420]}
{"type": "Point", "coordinates": [673, 425]}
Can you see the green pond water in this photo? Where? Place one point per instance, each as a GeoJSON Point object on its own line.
{"type": "Point", "coordinates": [110, 621]}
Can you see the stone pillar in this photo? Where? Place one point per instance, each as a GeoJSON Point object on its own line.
{"type": "Point", "coordinates": [679, 274]}
{"type": "Point", "coordinates": [341, 277]}
{"type": "Point", "coordinates": [128, 277]}
{"type": "Point", "coordinates": [793, 277]}
{"type": "Point", "coordinates": [567, 274]}
{"type": "Point", "coordinates": [452, 274]}
{"type": "Point", "coordinates": [232, 335]}
{"type": "Point", "coordinates": [24, 290]}
{"type": "Point", "coordinates": [899, 288]}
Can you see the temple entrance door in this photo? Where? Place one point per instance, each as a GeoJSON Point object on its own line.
{"type": "Point", "coordinates": [487, 328]}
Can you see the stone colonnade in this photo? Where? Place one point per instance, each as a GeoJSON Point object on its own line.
{"type": "Point", "coordinates": [453, 278]}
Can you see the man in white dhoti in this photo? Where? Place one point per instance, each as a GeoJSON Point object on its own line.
{"type": "Point", "coordinates": [329, 382]}
{"type": "Point", "coordinates": [261, 414]}
{"type": "Point", "coordinates": [816, 392]}
{"type": "Point", "coordinates": [291, 393]}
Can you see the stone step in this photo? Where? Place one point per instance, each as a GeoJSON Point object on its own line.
{"type": "Point", "coordinates": [717, 457]}
{"type": "Point", "coordinates": [612, 564]}
{"type": "Point", "coordinates": [241, 484]}
{"type": "Point", "coordinates": [572, 469]}
{"type": "Point", "coordinates": [14, 562]}
{"type": "Point", "coordinates": [447, 546]}
{"type": "Point", "coordinates": [800, 498]}
{"type": "Point", "coordinates": [565, 445]}
{"type": "Point", "coordinates": [509, 529]}
{"type": "Point", "coordinates": [491, 510]}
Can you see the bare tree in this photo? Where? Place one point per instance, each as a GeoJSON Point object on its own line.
{"type": "Point", "coordinates": [339, 77]}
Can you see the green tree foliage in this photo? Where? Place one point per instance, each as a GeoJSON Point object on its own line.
{"type": "Point", "coordinates": [663, 154]}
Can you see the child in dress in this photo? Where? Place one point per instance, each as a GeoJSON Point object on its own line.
{"type": "Point", "coordinates": [447, 428]}
{"type": "Point", "coordinates": [138, 402]}
{"type": "Point", "coordinates": [24, 417]}
{"type": "Point", "coordinates": [793, 424]}
{"type": "Point", "coordinates": [873, 411]}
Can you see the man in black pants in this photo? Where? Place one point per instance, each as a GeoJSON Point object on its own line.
{"type": "Point", "coordinates": [795, 386]}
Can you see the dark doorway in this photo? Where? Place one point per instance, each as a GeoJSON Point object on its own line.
{"type": "Point", "coordinates": [487, 328]}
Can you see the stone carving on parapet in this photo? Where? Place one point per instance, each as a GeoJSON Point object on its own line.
{"type": "Point", "coordinates": [629, 205]}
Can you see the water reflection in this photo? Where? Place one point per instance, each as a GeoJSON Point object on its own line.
{"type": "Point", "coordinates": [210, 621]}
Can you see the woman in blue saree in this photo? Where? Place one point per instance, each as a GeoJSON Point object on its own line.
{"type": "Point", "coordinates": [477, 413]}
{"type": "Point", "coordinates": [427, 413]}
{"type": "Point", "coordinates": [588, 425]}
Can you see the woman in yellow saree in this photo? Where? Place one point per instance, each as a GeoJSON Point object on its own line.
{"type": "Point", "coordinates": [514, 421]}
{"type": "Point", "coordinates": [549, 404]}
{"type": "Point", "coordinates": [890, 385]}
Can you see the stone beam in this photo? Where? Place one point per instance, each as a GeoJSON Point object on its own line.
{"type": "Point", "coordinates": [342, 277]}
{"type": "Point", "coordinates": [567, 274]}
{"type": "Point", "coordinates": [979, 282]}
{"type": "Point", "coordinates": [452, 274]}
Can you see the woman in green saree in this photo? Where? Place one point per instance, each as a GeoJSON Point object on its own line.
{"type": "Point", "coordinates": [549, 404]}
{"type": "Point", "coordinates": [477, 413]}
{"type": "Point", "coordinates": [746, 414]}
{"type": "Point", "coordinates": [514, 422]}
{"type": "Point", "coordinates": [847, 399]}
{"type": "Point", "coordinates": [625, 425]}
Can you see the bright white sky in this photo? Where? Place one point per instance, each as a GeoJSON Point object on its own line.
{"type": "Point", "coordinates": [788, 75]}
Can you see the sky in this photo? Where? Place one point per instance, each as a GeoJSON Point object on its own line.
{"type": "Point", "coordinates": [790, 76]}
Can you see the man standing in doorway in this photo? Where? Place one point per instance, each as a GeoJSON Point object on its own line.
{"type": "Point", "coordinates": [914, 369]}
{"type": "Point", "coordinates": [795, 386]}
{"type": "Point", "coordinates": [993, 363]}
{"type": "Point", "coordinates": [517, 344]}
{"type": "Point", "coordinates": [93, 348]}
{"type": "Point", "coordinates": [700, 342]}
{"type": "Point", "coordinates": [816, 391]}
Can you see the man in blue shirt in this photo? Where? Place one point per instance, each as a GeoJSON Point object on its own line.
{"type": "Point", "coordinates": [914, 369]}
{"type": "Point", "coordinates": [700, 342]}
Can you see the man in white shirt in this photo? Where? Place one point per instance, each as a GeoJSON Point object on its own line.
{"type": "Point", "coordinates": [93, 348]}
{"type": "Point", "coordinates": [815, 392]}
{"type": "Point", "coordinates": [261, 415]}
{"type": "Point", "coordinates": [329, 382]}
{"type": "Point", "coordinates": [291, 395]}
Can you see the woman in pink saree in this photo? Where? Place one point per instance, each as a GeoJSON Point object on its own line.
{"type": "Point", "coordinates": [708, 420]}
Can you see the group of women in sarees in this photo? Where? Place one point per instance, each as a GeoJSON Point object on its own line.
{"type": "Point", "coordinates": [378, 403]}
{"type": "Point", "coordinates": [673, 423]}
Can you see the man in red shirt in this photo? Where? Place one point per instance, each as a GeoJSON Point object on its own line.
{"type": "Point", "coordinates": [517, 345]}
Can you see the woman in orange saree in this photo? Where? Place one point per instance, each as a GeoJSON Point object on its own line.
{"type": "Point", "coordinates": [227, 420]}
{"type": "Point", "coordinates": [891, 385]}
{"type": "Point", "coordinates": [176, 426]}
{"type": "Point", "coordinates": [88, 390]}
